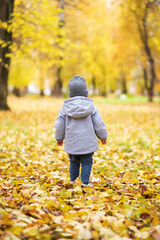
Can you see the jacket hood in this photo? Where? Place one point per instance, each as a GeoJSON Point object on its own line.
{"type": "Point", "coordinates": [78, 107]}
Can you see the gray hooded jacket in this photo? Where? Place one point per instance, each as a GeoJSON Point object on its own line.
{"type": "Point", "coordinates": [79, 122]}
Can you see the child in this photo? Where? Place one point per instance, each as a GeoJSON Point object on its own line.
{"type": "Point", "coordinates": [79, 122]}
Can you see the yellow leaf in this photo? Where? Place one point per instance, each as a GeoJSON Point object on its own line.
{"type": "Point", "coordinates": [89, 202]}
{"type": "Point", "coordinates": [88, 189]}
{"type": "Point", "coordinates": [67, 181]}
{"type": "Point", "coordinates": [26, 193]}
{"type": "Point", "coordinates": [95, 235]}
{"type": "Point", "coordinates": [17, 230]}
{"type": "Point", "coordinates": [155, 221]}
{"type": "Point", "coordinates": [104, 194]}
{"type": "Point", "coordinates": [5, 220]}
{"type": "Point", "coordinates": [35, 215]}
{"type": "Point", "coordinates": [8, 55]}
{"type": "Point", "coordinates": [129, 176]}
{"type": "Point", "coordinates": [133, 228]}
{"type": "Point", "coordinates": [78, 190]}
{"type": "Point", "coordinates": [65, 194]}
{"type": "Point", "coordinates": [31, 231]}
{"type": "Point", "coordinates": [66, 235]}
{"type": "Point", "coordinates": [118, 226]}
{"type": "Point", "coordinates": [66, 208]}
{"type": "Point", "coordinates": [24, 218]}
{"type": "Point", "coordinates": [135, 181]}
{"type": "Point", "coordinates": [109, 191]}
{"type": "Point", "coordinates": [45, 228]}
{"type": "Point", "coordinates": [142, 235]}
{"type": "Point", "coordinates": [106, 233]}
{"type": "Point", "coordinates": [84, 233]}
{"type": "Point", "coordinates": [117, 184]}
{"type": "Point", "coordinates": [69, 217]}
{"type": "Point", "coordinates": [52, 205]}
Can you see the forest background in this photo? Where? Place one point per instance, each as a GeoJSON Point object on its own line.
{"type": "Point", "coordinates": [115, 45]}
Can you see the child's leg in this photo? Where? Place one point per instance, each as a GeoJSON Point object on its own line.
{"type": "Point", "coordinates": [86, 164]}
{"type": "Point", "coordinates": [74, 167]}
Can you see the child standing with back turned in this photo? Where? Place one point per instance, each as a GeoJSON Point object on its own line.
{"type": "Point", "coordinates": [79, 122]}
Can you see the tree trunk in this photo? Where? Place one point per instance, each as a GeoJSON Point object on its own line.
{"type": "Point", "coordinates": [94, 83]}
{"type": "Point", "coordinates": [6, 9]}
{"type": "Point", "coordinates": [149, 83]}
{"type": "Point", "coordinates": [41, 92]}
{"type": "Point", "coordinates": [150, 94]}
{"type": "Point", "coordinates": [102, 89]}
{"type": "Point", "coordinates": [42, 84]}
{"type": "Point", "coordinates": [57, 91]}
{"type": "Point", "coordinates": [104, 93]}
{"type": "Point", "coordinates": [143, 31]}
{"type": "Point", "coordinates": [150, 58]}
{"type": "Point", "coordinates": [124, 86]}
{"type": "Point", "coordinates": [145, 77]}
{"type": "Point", "coordinates": [152, 76]}
{"type": "Point", "coordinates": [148, 88]}
{"type": "Point", "coordinates": [142, 91]}
{"type": "Point", "coordinates": [17, 92]}
{"type": "Point", "coordinates": [3, 88]}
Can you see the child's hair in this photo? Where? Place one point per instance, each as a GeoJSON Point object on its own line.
{"type": "Point", "coordinates": [77, 87]}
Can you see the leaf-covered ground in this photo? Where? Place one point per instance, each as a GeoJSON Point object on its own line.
{"type": "Point", "coordinates": [36, 198]}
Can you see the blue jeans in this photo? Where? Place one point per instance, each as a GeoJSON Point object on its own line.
{"type": "Point", "coordinates": [85, 161]}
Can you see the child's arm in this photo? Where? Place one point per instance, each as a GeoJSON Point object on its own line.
{"type": "Point", "coordinates": [60, 128]}
{"type": "Point", "coordinates": [99, 126]}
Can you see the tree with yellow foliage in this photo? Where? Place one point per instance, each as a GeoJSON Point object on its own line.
{"type": "Point", "coordinates": [145, 19]}
{"type": "Point", "coordinates": [89, 49]}
{"type": "Point", "coordinates": [36, 35]}
{"type": "Point", "coordinates": [6, 10]}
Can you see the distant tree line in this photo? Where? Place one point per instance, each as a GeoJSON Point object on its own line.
{"type": "Point", "coordinates": [110, 45]}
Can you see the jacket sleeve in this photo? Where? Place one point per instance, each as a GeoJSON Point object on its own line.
{"type": "Point", "coordinates": [60, 126]}
{"type": "Point", "coordinates": [99, 126]}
